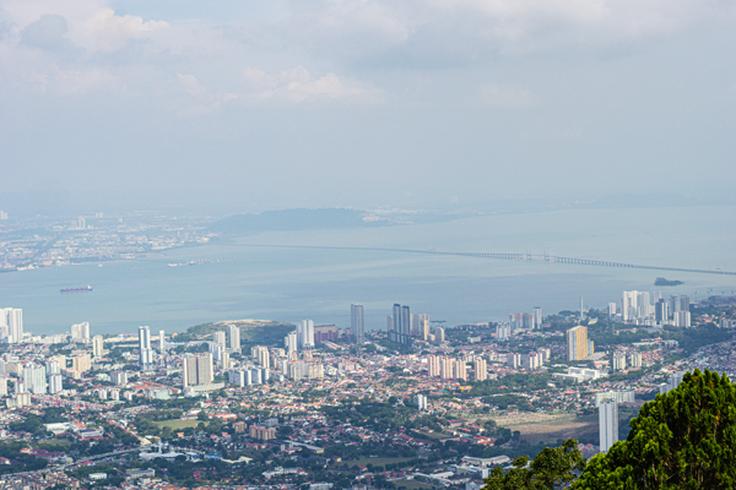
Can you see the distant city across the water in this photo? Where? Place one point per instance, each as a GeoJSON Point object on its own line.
{"type": "Point", "coordinates": [228, 278]}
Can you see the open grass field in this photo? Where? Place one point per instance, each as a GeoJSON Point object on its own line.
{"type": "Point", "coordinates": [377, 462]}
{"type": "Point", "coordinates": [549, 428]}
{"type": "Point", "coordinates": [177, 424]}
{"type": "Point", "coordinates": [411, 484]}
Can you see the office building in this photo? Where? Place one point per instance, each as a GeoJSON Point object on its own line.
{"type": "Point", "coordinates": [80, 332]}
{"type": "Point", "coordinates": [681, 303]}
{"type": "Point", "coordinates": [607, 424]}
{"type": "Point", "coordinates": [480, 369]}
{"type": "Point", "coordinates": [12, 320]}
{"type": "Point", "coordinates": [197, 370]}
{"type": "Point", "coordinates": [220, 355]}
{"type": "Point", "coordinates": [447, 367]}
{"type": "Point", "coordinates": [433, 365]}
{"type": "Point", "coordinates": [98, 346]}
{"type": "Point", "coordinates": [56, 384]}
{"type": "Point", "coordinates": [503, 331]}
{"type": "Point", "coordinates": [577, 343]}
{"type": "Point", "coordinates": [290, 344]}
{"type": "Point", "coordinates": [234, 338]}
{"type": "Point", "coordinates": [119, 378]}
{"type": "Point", "coordinates": [145, 353]}
{"type": "Point", "coordinates": [161, 341]}
{"type": "Point", "coordinates": [34, 379]}
{"type": "Point", "coordinates": [624, 396]}
{"type": "Point", "coordinates": [460, 370]}
{"type": "Point", "coordinates": [305, 334]}
{"type": "Point", "coordinates": [533, 361]}
{"type": "Point", "coordinates": [636, 307]}
{"type": "Point", "coordinates": [683, 319]}
{"type": "Point", "coordinates": [220, 339]}
{"type": "Point", "coordinates": [423, 330]}
{"type": "Point", "coordinates": [261, 356]}
{"type": "Point", "coordinates": [400, 324]}
{"type": "Point", "coordinates": [513, 360]}
{"type": "Point", "coordinates": [81, 363]}
{"type": "Point", "coordinates": [439, 335]}
{"type": "Point", "coordinates": [662, 312]}
{"type": "Point", "coordinates": [635, 360]}
{"type": "Point", "coordinates": [357, 323]}
{"type": "Point", "coordinates": [538, 317]}
{"type": "Point", "coordinates": [612, 310]}
{"type": "Point", "coordinates": [422, 402]}
{"type": "Point", "coordinates": [619, 361]}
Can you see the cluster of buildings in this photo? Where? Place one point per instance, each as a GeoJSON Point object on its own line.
{"type": "Point", "coordinates": [287, 397]}
{"type": "Point", "coordinates": [403, 327]}
{"type": "Point", "coordinates": [644, 308]}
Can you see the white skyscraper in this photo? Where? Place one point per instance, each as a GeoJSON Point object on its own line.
{"type": "Point", "coordinates": [538, 317]}
{"type": "Point", "coordinates": [13, 319]}
{"type": "Point", "coordinates": [220, 338]}
{"type": "Point", "coordinates": [291, 344]}
{"type": "Point", "coordinates": [305, 334]}
{"type": "Point", "coordinates": [55, 383]}
{"type": "Point", "coordinates": [145, 353]}
{"type": "Point", "coordinates": [611, 310]}
{"type": "Point", "coordinates": [261, 355]}
{"type": "Point", "coordinates": [357, 323]}
{"type": "Point", "coordinates": [34, 379]}
{"type": "Point", "coordinates": [197, 370]}
{"type": "Point", "coordinates": [98, 346]}
{"type": "Point", "coordinates": [161, 341]}
{"type": "Point", "coordinates": [234, 338]}
{"type": "Point", "coordinates": [80, 332]}
{"type": "Point", "coordinates": [630, 305]}
{"type": "Point", "coordinates": [422, 404]}
{"type": "Point", "coordinates": [607, 424]}
{"type": "Point", "coordinates": [480, 369]}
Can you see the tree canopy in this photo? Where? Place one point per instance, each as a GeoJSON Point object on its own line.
{"type": "Point", "coordinates": [685, 438]}
{"type": "Point", "coordinates": [551, 467]}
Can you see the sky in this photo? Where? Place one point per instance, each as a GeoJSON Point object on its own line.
{"type": "Point", "coordinates": [238, 105]}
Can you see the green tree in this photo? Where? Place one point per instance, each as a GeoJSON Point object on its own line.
{"type": "Point", "coordinates": [552, 467]}
{"type": "Point", "coordinates": [685, 438]}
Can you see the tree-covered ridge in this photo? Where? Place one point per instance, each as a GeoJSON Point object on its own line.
{"type": "Point", "coordinates": [685, 438]}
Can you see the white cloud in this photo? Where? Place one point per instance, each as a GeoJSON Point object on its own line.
{"type": "Point", "coordinates": [92, 25]}
{"type": "Point", "coordinates": [293, 86]}
{"type": "Point", "coordinates": [299, 85]}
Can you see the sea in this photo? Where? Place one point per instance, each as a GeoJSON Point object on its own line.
{"type": "Point", "coordinates": [230, 278]}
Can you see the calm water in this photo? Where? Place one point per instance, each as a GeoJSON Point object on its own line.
{"type": "Point", "coordinates": [289, 284]}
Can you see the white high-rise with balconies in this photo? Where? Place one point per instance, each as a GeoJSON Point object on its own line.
{"type": "Point", "coordinates": [607, 424]}
{"type": "Point", "coordinates": [145, 353]}
{"type": "Point", "coordinates": [12, 320]}
{"type": "Point", "coordinates": [305, 334]}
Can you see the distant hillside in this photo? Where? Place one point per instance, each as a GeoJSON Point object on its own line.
{"type": "Point", "coordinates": [292, 220]}
{"type": "Point", "coordinates": [265, 332]}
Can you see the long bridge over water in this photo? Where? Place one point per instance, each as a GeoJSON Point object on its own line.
{"type": "Point", "coordinates": [516, 256]}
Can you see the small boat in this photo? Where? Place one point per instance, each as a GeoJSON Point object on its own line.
{"type": "Point", "coordinates": [83, 289]}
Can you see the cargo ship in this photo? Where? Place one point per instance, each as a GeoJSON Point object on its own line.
{"type": "Point", "coordinates": [84, 289]}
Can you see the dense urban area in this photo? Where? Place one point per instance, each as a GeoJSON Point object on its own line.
{"type": "Point", "coordinates": [414, 404]}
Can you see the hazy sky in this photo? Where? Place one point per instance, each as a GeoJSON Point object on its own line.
{"type": "Point", "coordinates": [248, 105]}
